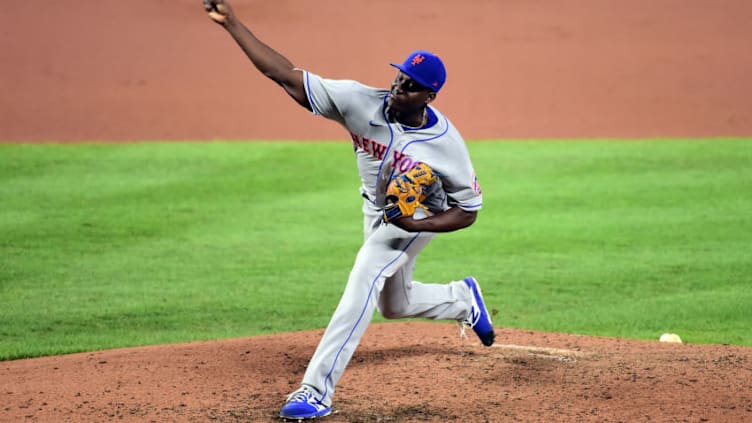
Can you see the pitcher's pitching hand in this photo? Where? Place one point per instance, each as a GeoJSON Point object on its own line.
{"type": "Point", "coordinates": [219, 10]}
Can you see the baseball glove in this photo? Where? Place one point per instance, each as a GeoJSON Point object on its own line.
{"type": "Point", "coordinates": [406, 192]}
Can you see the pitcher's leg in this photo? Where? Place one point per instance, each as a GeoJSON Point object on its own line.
{"type": "Point", "coordinates": [403, 297]}
{"type": "Point", "coordinates": [387, 250]}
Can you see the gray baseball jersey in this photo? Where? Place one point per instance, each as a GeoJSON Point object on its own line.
{"type": "Point", "coordinates": [384, 149]}
{"type": "Point", "coordinates": [381, 277]}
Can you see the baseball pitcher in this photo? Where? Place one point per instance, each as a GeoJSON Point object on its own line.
{"type": "Point", "coordinates": [417, 180]}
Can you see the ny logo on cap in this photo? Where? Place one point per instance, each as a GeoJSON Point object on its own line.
{"type": "Point", "coordinates": [417, 60]}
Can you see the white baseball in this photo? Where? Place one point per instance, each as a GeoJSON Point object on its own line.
{"type": "Point", "coordinates": [670, 337]}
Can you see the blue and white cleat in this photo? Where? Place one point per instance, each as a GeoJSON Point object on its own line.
{"type": "Point", "coordinates": [303, 404]}
{"type": "Point", "coordinates": [479, 320]}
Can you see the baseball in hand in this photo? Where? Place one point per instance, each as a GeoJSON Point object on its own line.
{"type": "Point", "coordinates": [217, 10]}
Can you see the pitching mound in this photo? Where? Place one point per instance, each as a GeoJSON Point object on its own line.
{"type": "Point", "coordinates": [402, 372]}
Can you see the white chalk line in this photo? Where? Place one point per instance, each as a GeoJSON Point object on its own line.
{"type": "Point", "coordinates": [560, 354]}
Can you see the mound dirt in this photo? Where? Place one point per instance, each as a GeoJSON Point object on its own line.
{"type": "Point", "coordinates": [402, 372]}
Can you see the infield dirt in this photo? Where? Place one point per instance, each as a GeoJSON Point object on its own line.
{"type": "Point", "coordinates": [402, 372]}
{"type": "Point", "coordinates": [139, 70]}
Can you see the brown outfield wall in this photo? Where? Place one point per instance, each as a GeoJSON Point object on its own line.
{"type": "Point", "coordinates": [118, 70]}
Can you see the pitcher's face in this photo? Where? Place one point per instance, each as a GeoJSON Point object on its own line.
{"type": "Point", "coordinates": [407, 95]}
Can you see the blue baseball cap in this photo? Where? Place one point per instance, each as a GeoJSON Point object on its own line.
{"type": "Point", "coordinates": [425, 68]}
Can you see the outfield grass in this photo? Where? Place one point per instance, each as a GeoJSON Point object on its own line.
{"type": "Point", "coordinates": [112, 245]}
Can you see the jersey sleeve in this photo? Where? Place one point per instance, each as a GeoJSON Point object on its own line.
{"type": "Point", "coordinates": [463, 191]}
{"type": "Point", "coordinates": [330, 98]}
{"type": "Point", "coordinates": [460, 181]}
{"type": "Point", "coordinates": [455, 189]}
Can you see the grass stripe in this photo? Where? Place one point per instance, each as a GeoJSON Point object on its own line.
{"type": "Point", "coordinates": [109, 245]}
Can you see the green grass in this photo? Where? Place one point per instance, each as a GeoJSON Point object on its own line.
{"type": "Point", "coordinates": [111, 245]}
